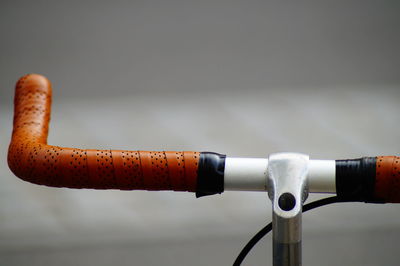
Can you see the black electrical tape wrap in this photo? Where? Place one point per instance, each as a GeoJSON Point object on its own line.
{"type": "Point", "coordinates": [210, 174]}
{"type": "Point", "coordinates": [355, 179]}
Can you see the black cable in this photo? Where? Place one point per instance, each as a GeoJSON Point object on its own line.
{"type": "Point", "coordinates": [268, 227]}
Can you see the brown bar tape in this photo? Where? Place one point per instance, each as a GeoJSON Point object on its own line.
{"type": "Point", "coordinates": [31, 159]}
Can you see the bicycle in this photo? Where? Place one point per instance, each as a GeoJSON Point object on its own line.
{"type": "Point", "coordinates": [287, 177]}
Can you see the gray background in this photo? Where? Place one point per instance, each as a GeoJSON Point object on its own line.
{"type": "Point", "coordinates": [245, 78]}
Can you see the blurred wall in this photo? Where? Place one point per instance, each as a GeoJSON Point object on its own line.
{"type": "Point", "coordinates": [245, 78]}
{"type": "Point", "coordinates": [109, 48]}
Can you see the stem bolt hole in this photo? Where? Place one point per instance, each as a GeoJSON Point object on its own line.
{"type": "Point", "coordinates": [287, 201]}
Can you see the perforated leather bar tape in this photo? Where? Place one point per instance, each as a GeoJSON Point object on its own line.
{"type": "Point", "coordinates": [33, 160]}
{"type": "Point", "coordinates": [387, 184]}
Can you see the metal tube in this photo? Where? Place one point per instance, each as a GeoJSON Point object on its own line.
{"type": "Point", "coordinates": [249, 174]}
{"type": "Point", "coordinates": [286, 241]}
{"type": "Point", "coordinates": [287, 188]}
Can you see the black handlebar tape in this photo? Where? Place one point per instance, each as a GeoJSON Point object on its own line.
{"type": "Point", "coordinates": [210, 174]}
{"type": "Point", "coordinates": [355, 179]}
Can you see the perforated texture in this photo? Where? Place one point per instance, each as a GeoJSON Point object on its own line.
{"type": "Point", "coordinates": [31, 159]}
{"type": "Point", "coordinates": [387, 182]}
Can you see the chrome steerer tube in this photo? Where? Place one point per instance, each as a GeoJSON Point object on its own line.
{"type": "Point", "coordinates": [288, 189]}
